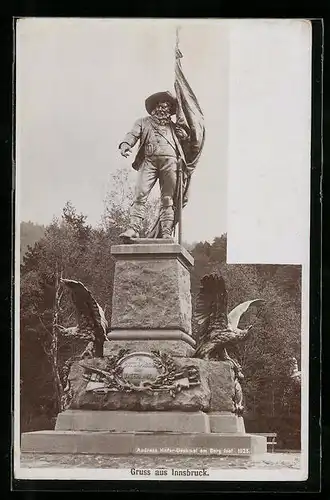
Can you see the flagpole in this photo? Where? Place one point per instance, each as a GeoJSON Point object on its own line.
{"type": "Point", "coordinates": [179, 168]}
{"type": "Point", "coordinates": [180, 202]}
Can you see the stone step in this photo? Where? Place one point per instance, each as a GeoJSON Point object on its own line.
{"type": "Point", "coordinates": [158, 421]}
{"type": "Point", "coordinates": [143, 443]}
{"type": "Point", "coordinates": [130, 421]}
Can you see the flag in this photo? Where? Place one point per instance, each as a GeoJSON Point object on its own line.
{"type": "Point", "coordinates": [189, 116]}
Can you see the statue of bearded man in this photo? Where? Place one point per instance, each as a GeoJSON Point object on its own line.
{"type": "Point", "coordinates": [160, 150]}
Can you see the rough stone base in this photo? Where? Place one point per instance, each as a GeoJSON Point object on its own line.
{"type": "Point", "coordinates": [193, 399]}
{"type": "Point", "coordinates": [139, 443]}
{"type": "Point", "coordinates": [214, 394]}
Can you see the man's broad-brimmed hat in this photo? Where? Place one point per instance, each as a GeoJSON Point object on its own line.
{"type": "Point", "coordinates": [154, 99]}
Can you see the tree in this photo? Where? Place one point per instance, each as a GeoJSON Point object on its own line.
{"type": "Point", "coordinates": [118, 201]}
{"type": "Point", "coordinates": [71, 248]}
{"type": "Point", "coordinates": [30, 233]}
{"type": "Point", "coordinates": [271, 404]}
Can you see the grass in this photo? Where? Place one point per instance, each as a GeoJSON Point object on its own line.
{"type": "Point", "coordinates": [271, 461]}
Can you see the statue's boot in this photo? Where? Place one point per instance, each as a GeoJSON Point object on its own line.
{"type": "Point", "coordinates": [166, 217]}
{"type": "Point", "coordinates": [133, 230]}
{"type": "Point", "coordinates": [166, 221]}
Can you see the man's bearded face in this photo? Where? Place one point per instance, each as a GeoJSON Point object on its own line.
{"type": "Point", "coordinates": [162, 110]}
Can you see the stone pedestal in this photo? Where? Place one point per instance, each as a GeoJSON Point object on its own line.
{"type": "Point", "coordinates": [148, 395]}
{"type": "Point", "coordinates": [196, 421]}
{"type": "Point", "coordinates": [151, 305]}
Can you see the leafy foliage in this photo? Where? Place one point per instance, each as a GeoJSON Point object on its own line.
{"type": "Point", "coordinates": [271, 402]}
{"type": "Point", "coordinates": [30, 234]}
{"type": "Point", "coordinates": [78, 251]}
{"type": "Point", "coordinates": [118, 201]}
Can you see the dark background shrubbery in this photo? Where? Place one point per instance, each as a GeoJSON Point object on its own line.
{"type": "Point", "coordinates": [82, 252]}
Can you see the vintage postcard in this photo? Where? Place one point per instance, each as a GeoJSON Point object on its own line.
{"type": "Point", "coordinates": [162, 249]}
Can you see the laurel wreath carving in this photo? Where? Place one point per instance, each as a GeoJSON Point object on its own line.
{"type": "Point", "coordinates": [167, 380]}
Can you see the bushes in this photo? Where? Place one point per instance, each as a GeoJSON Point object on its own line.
{"type": "Point", "coordinates": [287, 429]}
{"type": "Point", "coordinates": [82, 252]}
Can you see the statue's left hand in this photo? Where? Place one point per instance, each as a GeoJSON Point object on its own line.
{"type": "Point", "coordinates": [181, 133]}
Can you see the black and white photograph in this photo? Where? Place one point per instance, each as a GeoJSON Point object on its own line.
{"type": "Point", "coordinates": [162, 249]}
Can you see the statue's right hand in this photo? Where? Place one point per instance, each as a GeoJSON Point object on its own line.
{"type": "Point", "coordinates": [125, 150]}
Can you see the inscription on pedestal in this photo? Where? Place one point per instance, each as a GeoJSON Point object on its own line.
{"type": "Point", "coordinates": [227, 451]}
{"type": "Point", "coordinates": [138, 368]}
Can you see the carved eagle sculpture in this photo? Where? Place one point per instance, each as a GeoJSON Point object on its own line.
{"type": "Point", "coordinates": [219, 330]}
{"type": "Point", "coordinates": [91, 322]}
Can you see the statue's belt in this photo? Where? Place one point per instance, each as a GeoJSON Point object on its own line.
{"type": "Point", "coordinates": [152, 150]}
{"type": "Point", "coordinates": [175, 148]}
